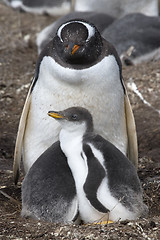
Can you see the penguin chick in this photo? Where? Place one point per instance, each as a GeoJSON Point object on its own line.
{"type": "Point", "coordinates": [48, 189]}
{"type": "Point", "coordinates": [107, 184]}
{"type": "Point", "coordinates": [77, 67]}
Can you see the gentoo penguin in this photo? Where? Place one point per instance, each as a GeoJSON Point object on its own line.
{"type": "Point", "coordinates": [48, 189]}
{"type": "Point", "coordinates": [51, 7]}
{"type": "Point", "coordinates": [138, 31]}
{"type": "Point", "coordinates": [107, 184]}
{"type": "Point", "coordinates": [77, 67]}
{"type": "Point", "coordinates": [118, 8]}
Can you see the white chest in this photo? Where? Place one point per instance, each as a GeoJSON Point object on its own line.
{"type": "Point", "coordinates": [72, 148]}
{"type": "Point", "coordinates": [97, 88]}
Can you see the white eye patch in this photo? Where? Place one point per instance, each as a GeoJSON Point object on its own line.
{"type": "Point", "coordinates": [91, 29]}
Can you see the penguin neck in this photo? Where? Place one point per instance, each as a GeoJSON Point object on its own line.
{"type": "Point", "coordinates": [71, 140]}
{"type": "Point", "coordinates": [71, 143]}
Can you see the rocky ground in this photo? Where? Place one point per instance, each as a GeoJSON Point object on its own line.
{"type": "Point", "coordinates": [18, 55]}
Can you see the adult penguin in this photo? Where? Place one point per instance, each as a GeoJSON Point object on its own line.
{"type": "Point", "coordinates": [77, 67]}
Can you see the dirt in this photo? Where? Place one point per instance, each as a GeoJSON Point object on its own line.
{"type": "Point", "coordinates": [18, 55]}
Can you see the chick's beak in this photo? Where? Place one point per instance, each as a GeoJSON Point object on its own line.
{"type": "Point", "coordinates": [55, 115]}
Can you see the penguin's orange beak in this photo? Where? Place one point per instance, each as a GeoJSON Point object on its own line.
{"type": "Point", "coordinates": [55, 115]}
{"type": "Point", "coordinates": [75, 48]}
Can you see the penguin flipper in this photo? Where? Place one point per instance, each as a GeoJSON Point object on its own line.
{"type": "Point", "coordinates": [131, 132]}
{"type": "Point", "coordinates": [20, 134]}
{"type": "Point", "coordinates": [92, 184]}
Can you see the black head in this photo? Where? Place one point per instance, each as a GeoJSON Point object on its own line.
{"type": "Point", "coordinates": [78, 42]}
{"type": "Point", "coordinates": [74, 116]}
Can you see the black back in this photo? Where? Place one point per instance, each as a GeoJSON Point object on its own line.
{"type": "Point", "coordinates": [122, 176]}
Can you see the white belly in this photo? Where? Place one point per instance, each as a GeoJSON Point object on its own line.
{"type": "Point", "coordinates": [97, 88]}
{"type": "Point", "coordinates": [71, 145]}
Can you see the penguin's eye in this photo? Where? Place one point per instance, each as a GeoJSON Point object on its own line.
{"type": "Point", "coordinates": [74, 117]}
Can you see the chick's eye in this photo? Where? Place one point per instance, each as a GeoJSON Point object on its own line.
{"type": "Point", "coordinates": [74, 117]}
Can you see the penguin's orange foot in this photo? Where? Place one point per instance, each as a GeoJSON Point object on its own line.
{"type": "Point", "coordinates": [103, 222]}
